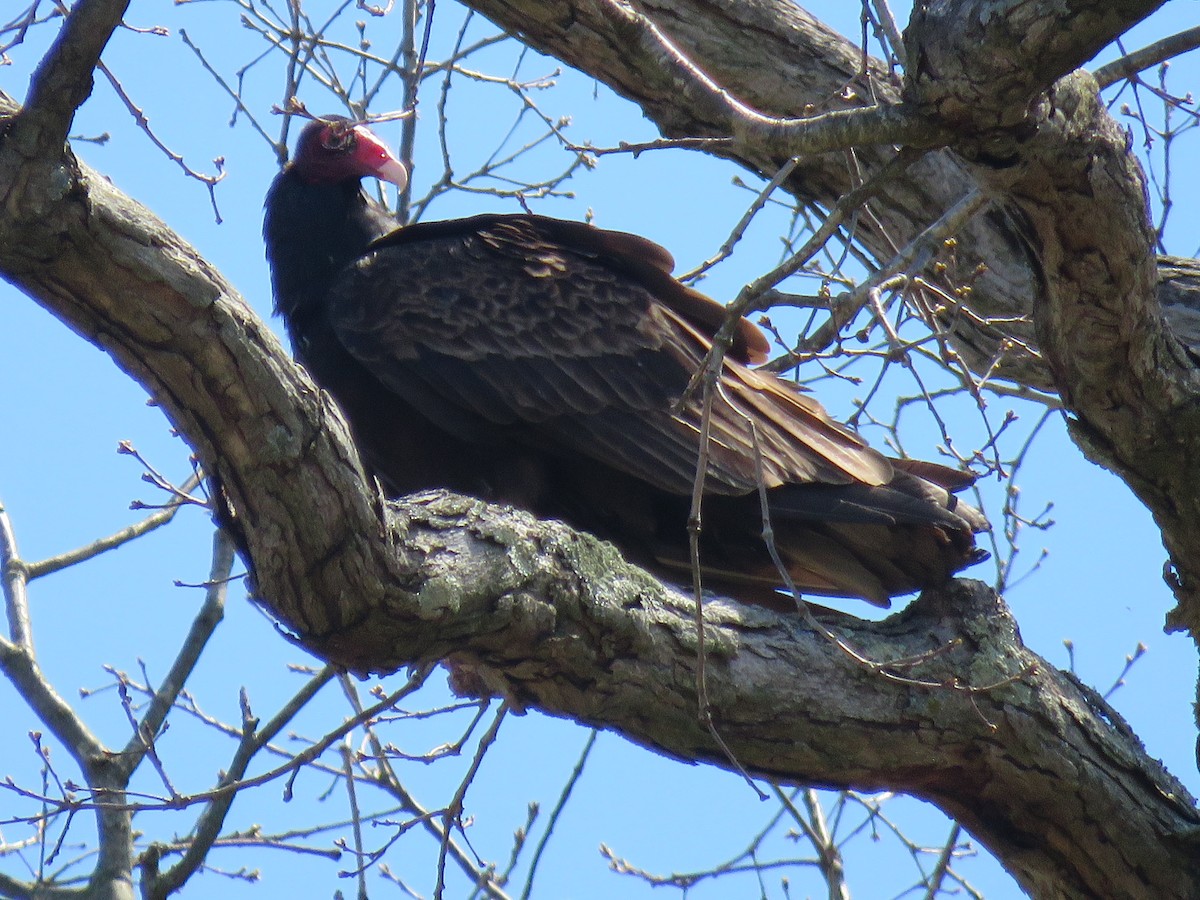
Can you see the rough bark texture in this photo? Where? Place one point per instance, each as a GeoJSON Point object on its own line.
{"type": "Point", "coordinates": [1040, 769]}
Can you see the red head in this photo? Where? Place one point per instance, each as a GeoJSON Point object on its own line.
{"type": "Point", "coordinates": [333, 150]}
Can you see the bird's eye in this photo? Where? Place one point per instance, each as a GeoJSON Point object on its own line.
{"type": "Point", "coordinates": [337, 138]}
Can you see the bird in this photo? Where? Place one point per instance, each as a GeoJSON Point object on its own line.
{"type": "Point", "coordinates": [545, 364]}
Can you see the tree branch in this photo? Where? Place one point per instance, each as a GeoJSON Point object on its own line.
{"type": "Point", "coordinates": [975, 66]}
{"type": "Point", "coordinates": [1131, 64]}
{"type": "Point", "coordinates": [63, 80]}
{"type": "Point", "coordinates": [19, 663]}
{"type": "Point", "coordinates": [839, 129]}
{"type": "Point", "coordinates": [211, 612]}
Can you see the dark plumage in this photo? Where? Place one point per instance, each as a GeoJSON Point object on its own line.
{"type": "Point", "coordinates": [537, 362]}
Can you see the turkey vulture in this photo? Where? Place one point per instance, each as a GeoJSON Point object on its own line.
{"type": "Point", "coordinates": [538, 362]}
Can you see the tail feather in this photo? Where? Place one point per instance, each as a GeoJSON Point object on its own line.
{"type": "Point", "coordinates": [835, 540]}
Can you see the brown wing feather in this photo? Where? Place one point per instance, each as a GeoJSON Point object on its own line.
{"type": "Point", "coordinates": [800, 443]}
{"type": "Point", "coordinates": [646, 262]}
{"type": "Point", "coordinates": [581, 355]}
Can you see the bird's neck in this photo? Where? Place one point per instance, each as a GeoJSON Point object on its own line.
{"type": "Point", "coordinates": [312, 232]}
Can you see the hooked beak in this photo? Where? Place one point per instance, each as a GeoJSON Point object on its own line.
{"type": "Point", "coordinates": [394, 171]}
{"type": "Point", "coordinates": [374, 158]}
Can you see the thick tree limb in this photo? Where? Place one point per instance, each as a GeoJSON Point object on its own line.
{"type": "Point", "coordinates": [976, 66]}
{"type": "Point", "coordinates": [648, 49]}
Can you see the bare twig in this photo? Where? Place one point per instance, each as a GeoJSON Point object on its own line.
{"type": "Point", "coordinates": [938, 876]}
{"type": "Point", "coordinates": [453, 813]}
{"type": "Point", "coordinates": [785, 172]}
{"type": "Point", "coordinates": [143, 122]}
{"type": "Point", "coordinates": [887, 21]}
{"type": "Point", "coordinates": [209, 823]}
{"type": "Point", "coordinates": [211, 611]}
{"type": "Point", "coordinates": [355, 816]}
{"type": "Point", "coordinates": [695, 526]}
{"type": "Point", "coordinates": [152, 522]}
{"type": "Point", "coordinates": [557, 811]}
{"type": "Point", "coordinates": [385, 777]}
{"type": "Point", "coordinates": [816, 829]}
{"type": "Point", "coordinates": [637, 148]}
{"type": "Point", "coordinates": [1130, 661]}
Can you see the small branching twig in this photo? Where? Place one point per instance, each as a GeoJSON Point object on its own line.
{"type": "Point", "coordinates": [152, 522]}
{"type": "Point", "coordinates": [637, 148]}
{"type": "Point", "coordinates": [739, 229]}
{"type": "Point", "coordinates": [452, 815]}
{"type": "Point", "coordinates": [156, 478]}
{"type": "Point", "coordinates": [143, 122]}
{"type": "Point", "coordinates": [1130, 661]}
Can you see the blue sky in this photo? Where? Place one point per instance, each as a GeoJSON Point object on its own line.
{"type": "Point", "coordinates": [66, 407]}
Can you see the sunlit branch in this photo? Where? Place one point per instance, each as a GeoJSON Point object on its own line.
{"type": "Point", "coordinates": [1131, 64]}
{"type": "Point", "coordinates": [835, 130]}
